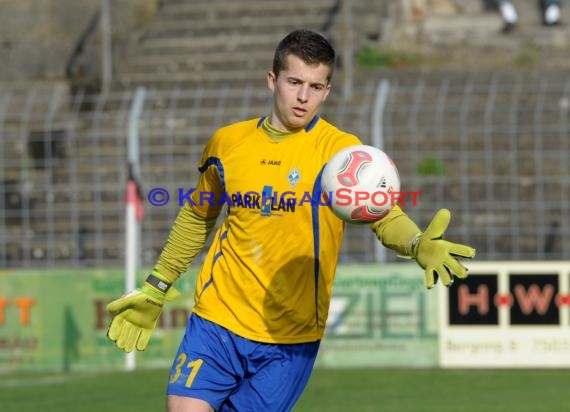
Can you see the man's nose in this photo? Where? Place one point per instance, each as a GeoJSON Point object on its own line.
{"type": "Point", "coordinates": [303, 95]}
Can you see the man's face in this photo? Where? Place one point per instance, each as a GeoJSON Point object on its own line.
{"type": "Point", "coordinates": [298, 93]}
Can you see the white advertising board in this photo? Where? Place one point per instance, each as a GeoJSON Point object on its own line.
{"type": "Point", "coordinates": [507, 314]}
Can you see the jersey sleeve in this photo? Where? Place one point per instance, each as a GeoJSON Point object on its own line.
{"type": "Point", "coordinates": [187, 237]}
{"type": "Point", "coordinates": [342, 141]}
{"type": "Point", "coordinates": [197, 216]}
{"type": "Point", "coordinates": [396, 231]}
{"type": "Point", "coordinates": [207, 198]}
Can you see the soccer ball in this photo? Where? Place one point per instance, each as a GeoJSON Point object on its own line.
{"type": "Point", "coordinates": [361, 184]}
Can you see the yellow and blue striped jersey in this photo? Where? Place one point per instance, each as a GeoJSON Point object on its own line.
{"type": "Point", "coordinates": [269, 273]}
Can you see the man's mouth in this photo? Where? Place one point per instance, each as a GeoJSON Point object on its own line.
{"type": "Point", "coordinates": [299, 111]}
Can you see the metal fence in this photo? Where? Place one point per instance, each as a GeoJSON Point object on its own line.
{"type": "Point", "coordinates": [492, 149]}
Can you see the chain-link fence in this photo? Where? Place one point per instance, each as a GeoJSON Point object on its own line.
{"type": "Point", "coordinates": [492, 149]}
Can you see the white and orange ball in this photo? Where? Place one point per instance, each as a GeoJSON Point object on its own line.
{"type": "Point", "coordinates": [360, 184]}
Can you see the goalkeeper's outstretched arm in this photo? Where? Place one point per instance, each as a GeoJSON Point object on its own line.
{"type": "Point", "coordinates": [436, 256]}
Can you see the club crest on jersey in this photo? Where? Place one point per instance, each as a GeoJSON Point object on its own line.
{"type": "Point", "coordinates": [294, 177]}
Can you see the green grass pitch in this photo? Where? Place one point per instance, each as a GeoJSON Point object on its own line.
{"type": "Point", "coordinates": [345, 390]}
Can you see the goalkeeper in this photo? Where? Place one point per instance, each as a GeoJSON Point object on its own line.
{"type": "Point", "coordinates": [263, 292]}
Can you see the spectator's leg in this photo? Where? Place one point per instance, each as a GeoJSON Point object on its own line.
{"type": "Point", "coordinates": [509, 15]}
{"type": "Point", "coordinates": [550, 10]}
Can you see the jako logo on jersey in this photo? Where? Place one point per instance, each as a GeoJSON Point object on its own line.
{"type": "Point", "coordinates": [265, 162]}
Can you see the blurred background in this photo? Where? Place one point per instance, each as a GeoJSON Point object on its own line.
{"type": "Point", "coordinates": [475, 116]}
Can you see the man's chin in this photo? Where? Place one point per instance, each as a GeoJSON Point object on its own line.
{"type": "Point", "coordinates": [297, 123]}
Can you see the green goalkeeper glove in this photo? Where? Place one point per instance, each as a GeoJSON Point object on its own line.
{"type": "Point", "coordinates": [437, 256]}
{"type": "Point", "coordinates": [137, 313]}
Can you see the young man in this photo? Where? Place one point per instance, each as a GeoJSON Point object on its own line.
{"type": "Point", "coordinates": [262, 295]}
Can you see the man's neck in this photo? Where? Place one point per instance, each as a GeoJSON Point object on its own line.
{"type": "Point", "coordinates": [275, 133]}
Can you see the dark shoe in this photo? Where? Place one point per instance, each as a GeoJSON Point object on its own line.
{"type": "Point", "coordinates": [552, 24]}
{"type": "Point", "coordinates": [508, 28]}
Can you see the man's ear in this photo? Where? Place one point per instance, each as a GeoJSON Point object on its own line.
{"type": "Point", "coordinates": [271, 78]}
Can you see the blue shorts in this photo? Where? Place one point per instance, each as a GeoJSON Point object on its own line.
{"type": "Point", "coordinates": [236, 374]}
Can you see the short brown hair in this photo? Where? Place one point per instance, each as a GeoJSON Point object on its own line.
{"type": "Point", "coordinates": [309, 46]}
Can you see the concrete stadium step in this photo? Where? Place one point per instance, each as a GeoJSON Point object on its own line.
{"type": "Point", "coordinates": [215, 9]}
{"type": "Point", "coordinates": [186, 43]}
{"type": "Point", "coordinates": [162, 83]}
{"type": "Point", "coordinates": [114, 110]}
{"type": "Point", "coordinates": [87, 190]}
{"type": "Point", "coordinates": [483, 30]}
{"type": "Point", "coordinates": [164, 128]}
{"type": "Point", "coordinates": [101, 248]}
{"type": "Point", "coordinates": [35, 102]}
{"type": "Point", "coordinates": [178, 99]}
{"type": "Point", "coordinates": [176, 62]}
{"type": "Point", "coordinates": [95, 173]}
{"type": "Point", "coordinates": [222, 41]}
{"type": "Point", "coordinates": [190, 80]}
{"type": "Point", "coordinates": [169, 171]}
{"type": "Point", "coordinates": [245, 24]}
{"type": "Point", "coordinates": [57, 248]}
{"type": "Point", "coordinates": [47, 225]}
{"type": "Point", "coordinates": [113, 250]}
